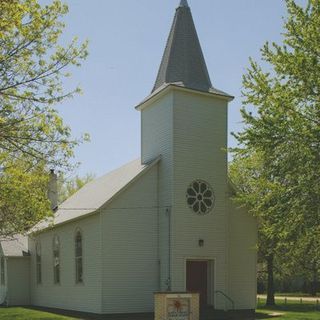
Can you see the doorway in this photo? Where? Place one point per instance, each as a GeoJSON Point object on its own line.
{"type": "Point", "coordinates": [197, 279]}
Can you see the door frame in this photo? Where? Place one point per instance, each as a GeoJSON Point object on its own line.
{"type": "Point", "coordinates": [211, 276]}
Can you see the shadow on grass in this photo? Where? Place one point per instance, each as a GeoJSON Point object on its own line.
{"type": "Point", "coordinates": [262, 315]}
{"type": "Point", "coordinates": [89, 316]}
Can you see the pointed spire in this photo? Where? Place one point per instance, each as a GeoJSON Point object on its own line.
{"type": "Point", "coordinates": [183, 61]}
{"type": "Point", "coordinates": [184, 3]}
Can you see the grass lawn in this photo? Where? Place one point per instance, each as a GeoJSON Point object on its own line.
{"type": "Point", "coordinates": [290, 311]}
{"type": "Point", "coordinates": [27, 314]}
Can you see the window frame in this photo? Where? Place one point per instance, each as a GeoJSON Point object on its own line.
{"type": "Point", "coordinates": [38, 263]}
{"type": "Point", "coordinates": [56, 246]}
{"type": "Point", "coordinates": [78, 258]}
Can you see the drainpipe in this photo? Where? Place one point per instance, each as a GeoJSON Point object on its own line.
{"type": "Point", "coordinates": [53, 190]}
{"type": "Point", "coordinates": [168, 213]}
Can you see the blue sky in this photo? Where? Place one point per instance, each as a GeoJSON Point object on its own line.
{"type": "Point", "coordinates": [127, 39]}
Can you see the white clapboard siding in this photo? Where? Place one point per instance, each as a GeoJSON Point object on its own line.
{"type": "Point", "coordinates": [130, 273]}
{"type": "Point", "coordinates": [156, 139]}
{"type": "Point", "coordinates": [69, 295]}
{"type": "Point", "coordinates": [18, 270]}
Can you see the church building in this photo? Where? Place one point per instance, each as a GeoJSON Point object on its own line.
{"type": "Point", "coordinates": [164, 222]}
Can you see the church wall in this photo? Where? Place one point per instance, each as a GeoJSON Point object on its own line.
{"type": "Point", "coordinates": [130, 248]}
{"type": "Point", "coordinates": [199, 137]}
{"type": "Point", "coordinates": [3, 288]}
{"type": "Point", "coordinates": [156, 139]}
{"type": "Point", "coordinates": [242, 257]}
{"type": "Point", "coordinates": [69, 295]}
{"type": "Point", "coordinates": [18, 281]}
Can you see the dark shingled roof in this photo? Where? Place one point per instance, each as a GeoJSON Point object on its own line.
{"type": "Point", "coordinates": [183, 60]}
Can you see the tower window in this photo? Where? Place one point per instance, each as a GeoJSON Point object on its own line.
{"type": "Point", "coordinates": [200, 197]}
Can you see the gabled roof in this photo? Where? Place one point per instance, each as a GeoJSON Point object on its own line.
{"type": "Point", "coordinates": [183, 60]}
{"type": "Point", "coordinates": [15, 247]}
{"type": "Point", "coordinates": [97, 193]}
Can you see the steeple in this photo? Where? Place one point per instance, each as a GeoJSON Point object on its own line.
{"type": "Point", "coordinates": [183, 62]}
{"type": "Point", "coordinates": [184, 3]}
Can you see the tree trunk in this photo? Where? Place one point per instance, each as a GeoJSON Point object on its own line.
{"type": "Point", "coordinates": [270, 286]}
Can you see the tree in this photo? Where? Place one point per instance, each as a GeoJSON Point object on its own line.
{"type": "Point", "coordinates": [33, 137]}
{"type": "Point", "coordinates": [255, 189]}
{"type": "Point", "coordinates": [23, 198]}
{"type": "Point", "coordinates": [284, 129]}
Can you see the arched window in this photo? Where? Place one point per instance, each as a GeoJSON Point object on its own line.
{"type": "Point", "coordinates": [56, 260]}
{"type": "Point", "coordinates": [38, 263]}
{"type": "Point", "coordinates": [78, 257]}
{"type": "Point", "coordinates": [3, 275]}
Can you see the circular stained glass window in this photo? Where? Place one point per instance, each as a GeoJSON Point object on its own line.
{"type": "Point", "coordinates": [200, 197]}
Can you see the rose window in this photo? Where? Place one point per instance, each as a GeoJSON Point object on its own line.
{"type": "Point", "coordinates": [200, 197]}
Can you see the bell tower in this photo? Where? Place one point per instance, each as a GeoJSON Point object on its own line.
{"type": "Point", "coordinates": [184, 120]}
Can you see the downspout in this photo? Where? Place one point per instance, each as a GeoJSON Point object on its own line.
{"type": "Point", "coordinates": [168, 213]}
{"type": "Point", "coordinates": [102, 271]}
{"type": "Point", "coordinates": [158, 230]}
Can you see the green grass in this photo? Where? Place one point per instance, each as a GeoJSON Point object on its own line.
{"type": "Point", "coordinates": [27, 314]}
{"type": "Point", "coordinates": [290, 311]}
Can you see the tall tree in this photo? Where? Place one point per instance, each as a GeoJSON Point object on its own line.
{"type": "Point", "coordinates": [284, 129]}
{"type": "Point", "coordinates": [256, 190]}
{"type": "Point", "coordinates": [33, 136]}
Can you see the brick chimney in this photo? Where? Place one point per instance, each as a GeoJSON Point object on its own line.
{"type": "Point", "coordinates": [53, 190]}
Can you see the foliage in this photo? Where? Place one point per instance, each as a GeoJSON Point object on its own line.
{"type": "Point", "coordinates": [23, 198]}
{"type": "Point", "coordinates": [256, 190]}
{"type": "Point", "coordinates": [33, 137]}
{"type": "Point", "coordinates": [32, 66]}
{"type": "Point", "coordinates": [280, 145]}
{"type": "Point", "coordinates": [68, 186]}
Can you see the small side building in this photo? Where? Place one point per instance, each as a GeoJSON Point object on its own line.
{"type": "Point", "coordinates": [14, 272]}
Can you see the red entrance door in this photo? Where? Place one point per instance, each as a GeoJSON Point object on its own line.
{"type": "Point", "coordinates": [197, 279]}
